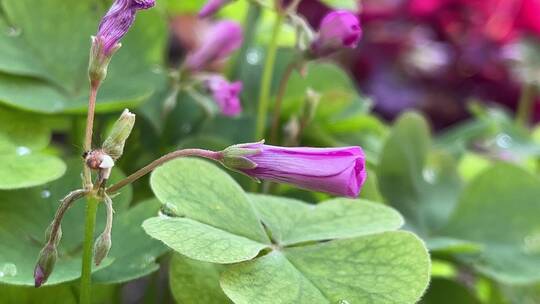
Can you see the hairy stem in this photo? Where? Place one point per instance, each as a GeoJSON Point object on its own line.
{"type": "Point", "coordinates": [65, 203]}
{"type": "Point", "coordinates": [160, 161]}
{"type": "Point", "coordinates": [87, 145]}
{"type": "Point", "coordinates": [525, 105]}
{"type": "Point", "coordinates": [89, 226]}
{"type": "Point", "coordinates": [268, 72]}
{"type": "Point", "coordinates": [279, 100]}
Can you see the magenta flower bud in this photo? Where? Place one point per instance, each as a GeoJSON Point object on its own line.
{"type": "Point", "coordinates": [223, 38]}
{"type": "Point", "coordinates": [112, 28]}
{"type": "Point", "coordinates": [339, 171]}
{"type": "Point", "coordinates": [211, 7]}
{"type": "Point", "coordinates": [338, 29]}
{"type": "Point", "coordinates": [225, 94]}
{"type": "Point", "coordinates": [45, 265]}
{"type": "Point", "coordinates": [116, 23]}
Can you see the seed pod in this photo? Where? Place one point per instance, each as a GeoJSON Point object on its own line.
{"type": "Point", "coordinates": [114, 144]}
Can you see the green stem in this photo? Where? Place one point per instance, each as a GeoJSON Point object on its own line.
{"type": "Point", "coordinates": [266, 81]}
{"type": "Point", "coordinates": [250, 26]}
{"type": "Point", "coordinates": [525, 105]}
{"type": "Point", "coordinates": [89, 226]}
{"type": "Point", "coordinates": [279, 100]}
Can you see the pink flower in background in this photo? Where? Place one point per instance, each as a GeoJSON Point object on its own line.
{"type": "Point", "coordinates": [339, 171]}
{"type": "Point", "coordinates": [117, 22]}
{"type": "Point", "coordinates": [212, 6]}
{"type": "Point", "coordinates": [338, 29]}
{"type": "Point", "coordinates": [225, 94]}
{"type": "Point", "coordinates": [222, 39]}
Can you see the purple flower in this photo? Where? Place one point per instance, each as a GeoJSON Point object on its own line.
{"type": "Point", "coordinates": [339, 171]}
{"type": "Point", "coordinates": [211, 7]}
{"type": "Point", "coordinates": [117, 22]}
{"type": "Point", "coordinates": [338, 29]}
{"type": "Point", "coordinates": [225, 94]}
{"type": "Point", "coordinates": [223, 38]}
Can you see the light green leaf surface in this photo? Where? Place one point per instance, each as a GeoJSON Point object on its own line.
{"type": "Point", "coordinates": [196, 282]}
{"type": "Point", "coordinates": [202, 242]}
{"type": "Point", "coordinates": [43, 62]}
{"type": "Point", "coordinates": [23, 171]}
{"type": "Point", "coordinates": [196, 189]}
{"type": "Point", "coordinates": [499, 210]}
{"type": "Point", "coordinates": [391, 267]}
{"type": "Point", "coordinates": [292, 221]}
{"type": "Point", "coordinates": [421, 184]}
{"type": "Point", "coordinates": [22, 137]}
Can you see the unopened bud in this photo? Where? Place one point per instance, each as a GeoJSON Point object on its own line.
{"type": "Point", "coordinates": [235, 157]}
{"type": "Point", "coordinates": [101, 247]}
{"type": "Point", "coordinates": [114, 144]}
{"type": "Point", "coordinates": [45, 264]}
{"type": "Point", "coordinates": [99, 60]}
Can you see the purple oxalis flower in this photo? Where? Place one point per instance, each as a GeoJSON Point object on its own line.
{"type": "Point", "coordinates": [117, 22]}
{"type": "Point", "coordinates": [225, 94]}
{"type": "Point", "coordinates": [338, 29]}
{"type": "Point", "coordinates": [339, 171]}
{"type": "Point", "coordinates": [223, 38]}
{"type": "Point", "coordinates": [212, 6]}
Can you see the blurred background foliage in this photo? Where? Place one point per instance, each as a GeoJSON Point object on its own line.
{"type": "Point", "coordinates": [459, 168]}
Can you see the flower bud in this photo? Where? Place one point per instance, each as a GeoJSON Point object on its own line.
{"type": "Point", "coordinates": [212, 6]}
{"type": "Point", "coordinates": [114, 25]}
{"type": "Point", "coordinates": [338, 29]}
{"type": "Point", "coordinates": [339, 171]}
{"type": "Point", "coordinates": [225, 94]}
{"type": "Point", "coordinates": [218, 42]}
{"type": "Point", "coordinates": [101, 247]}
{"type": "Point", "coordinates": [98, 160]}
{"type": "Point", "coordinates": [114, 144]}
{"type": "Point", "coordinates": [45, 264]}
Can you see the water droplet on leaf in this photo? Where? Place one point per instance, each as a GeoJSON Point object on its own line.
{"type": "Point", "coordinates": [45, 194]}
{"type": "Point", "coordinates": [504, 141]}
{"type": "Point", "coordinates": [23, 150]}
{"type": "Point", "coordinates": [8, 269]}
{"type": "Point", "coordinates": [253, 56]}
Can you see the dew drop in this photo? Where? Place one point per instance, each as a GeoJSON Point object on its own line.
{"type": "Point", "coordinates": [504, 141]}
{"type": "Point", "coordinates": [9, 270]}
{"type": "Point", "coordinates": [45, 194]}
{"type": "Point", "coordinates": [23, 150]}
{"type": "Point", "coordinates": [13, 32]}
{"type": "Point", "coordinates": [253, 57]}
{"type": "Point", "coordinates": [186, 128]}
{"type": "Point", "coordinates": [429, 175]}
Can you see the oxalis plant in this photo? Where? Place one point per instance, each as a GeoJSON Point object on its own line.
{"type": "Point", "coordinates": [240, 247]}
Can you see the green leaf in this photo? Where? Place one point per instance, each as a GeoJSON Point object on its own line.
{"type": "Point", "coordinates": [498, 210]}
{"type": "Point", "coordinates": [422, 185]}
{"type": "Point", "coordinates": [68, 293]}
{"type": "Point", "coordinates": [444, 291]}
{"type": "Point", "coordinates": [22, 131]}
{"type": "Point", "coordinates": [202, 242]}
{"type": "Point", "coordinates": [351, 5]}
{"type": "Point", "coordinates": [392, 267]}
{"type": "Point", "coordinates": [195, 282]}
{"type": "Point", "coordinates": [43, 62]}
{"type": "Point", "coordinates": [292, 221]}
{"type": "Point", "coordinates": [195, 189]}
{"type": "Point", "coordinates": [23, 171]}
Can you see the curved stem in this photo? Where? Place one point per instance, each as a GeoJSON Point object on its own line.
{"type": "Point", "coordinates": [89, 226]}
{"type": "Point", "coordinates": [87, 145]}
{"type": "Point", "coordinates": [525, 105]}
{"type": "Point", "coordinates": [160, 161]}
{"type": "Point", "coordinates": [266, 81]}
{"type": "Point", "coordinates": [279, 100]}
{"type": "Point", "coordinates": [64, 206]}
